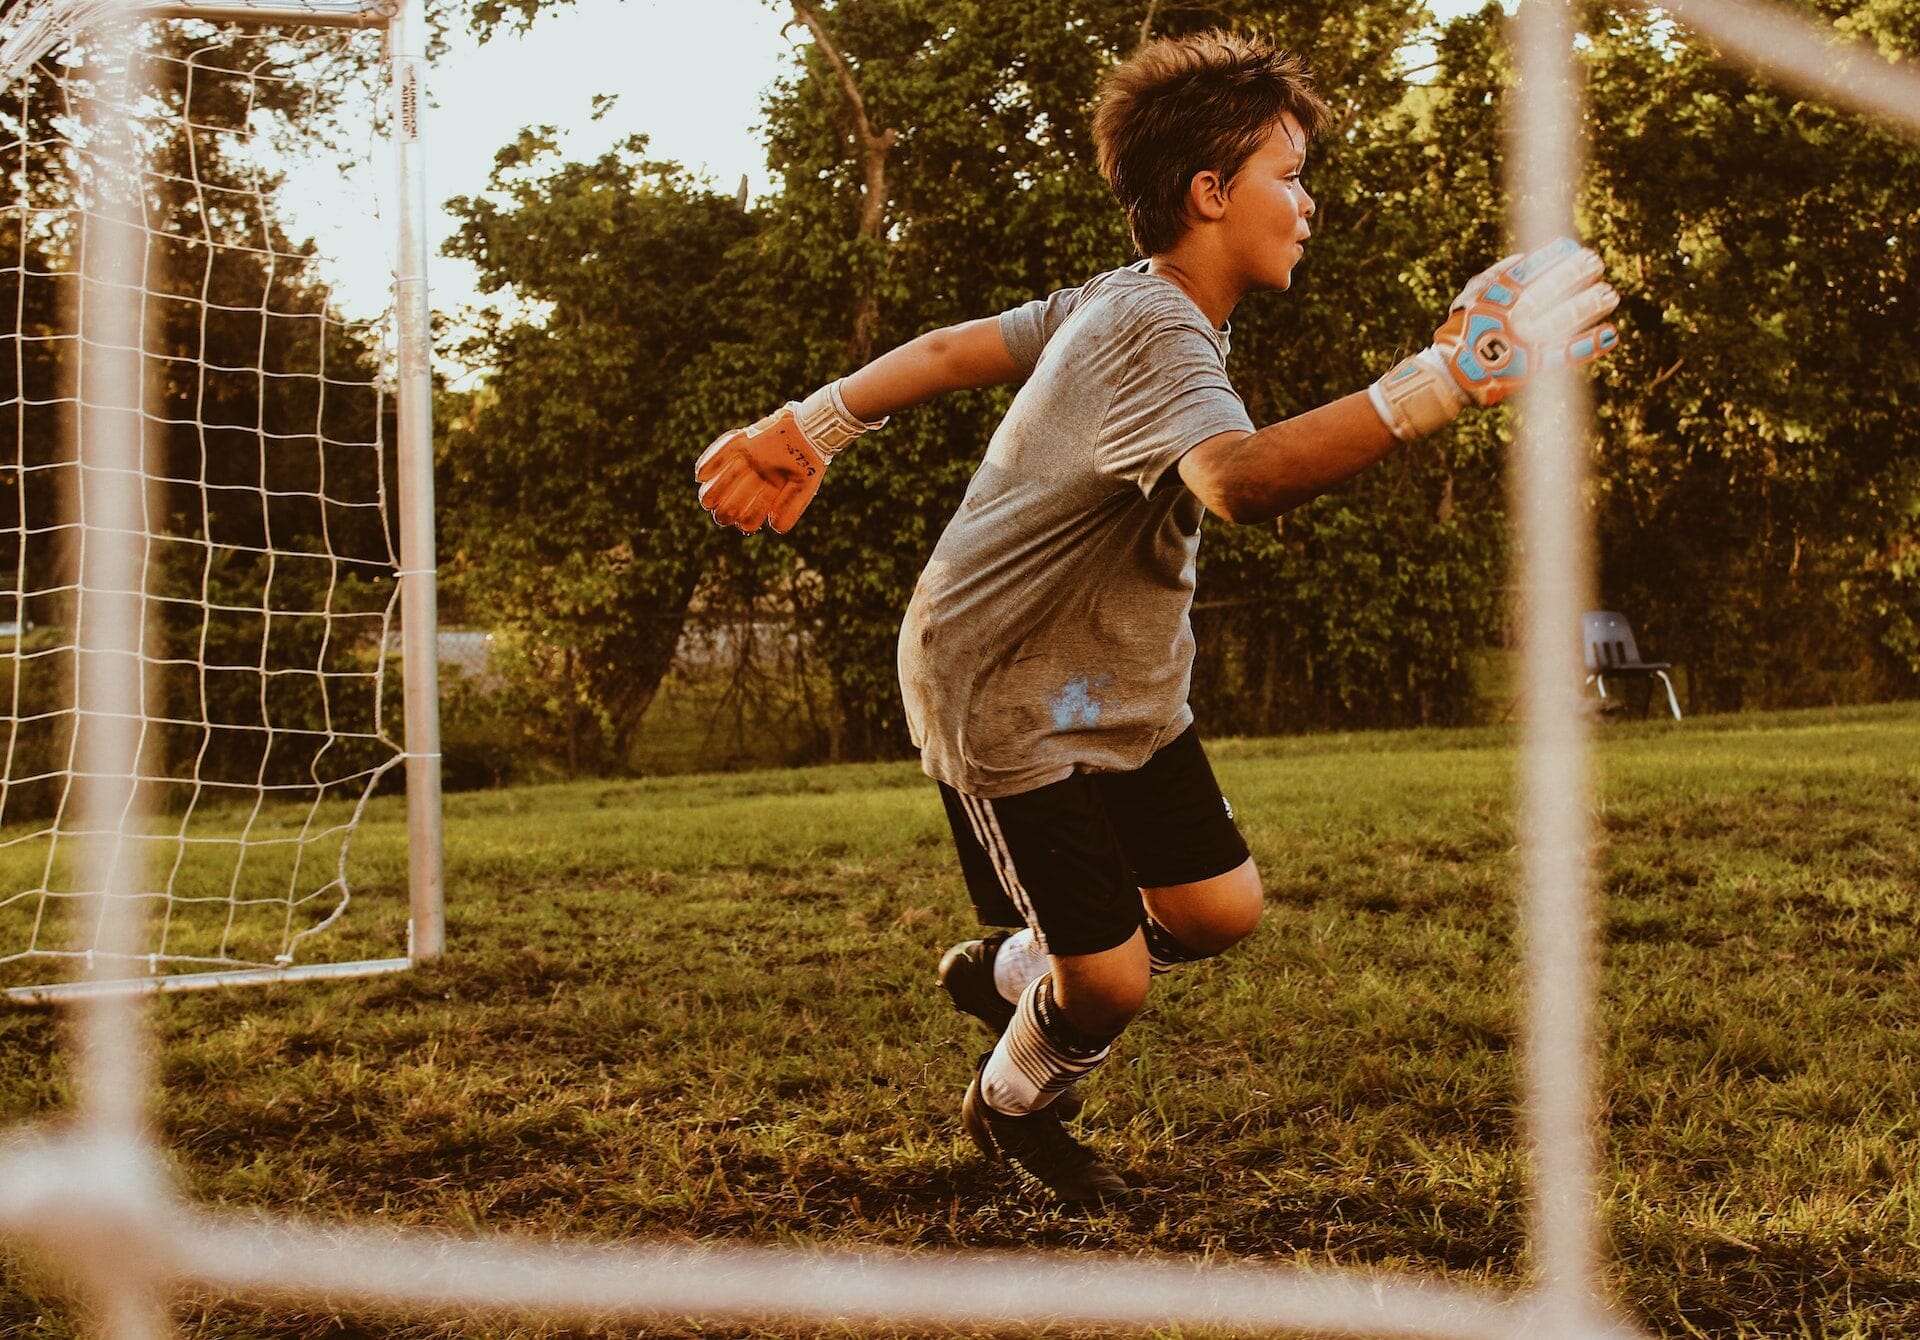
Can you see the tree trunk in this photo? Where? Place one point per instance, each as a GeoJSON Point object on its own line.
{"type": "Point", "coordinates": [871, 147]}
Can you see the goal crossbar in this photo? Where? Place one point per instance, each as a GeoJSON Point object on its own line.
{"type": "Point", "coordinates": [35, 27]}
{"type": "Point", "coordinates": [318, 13]}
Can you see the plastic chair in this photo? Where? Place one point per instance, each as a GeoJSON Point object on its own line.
{"type": "Point", "coordinates": [1611, 652]}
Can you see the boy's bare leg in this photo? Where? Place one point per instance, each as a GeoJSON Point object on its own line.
{"type": "Point", "coordinates": [1206, 918]}
{"type": "Point", "coordinates": [1212, 915]}
{"type": "Point", "coordinates": [1067, 1021]}
{"type": "Point", "coordinates": [1101, 993]}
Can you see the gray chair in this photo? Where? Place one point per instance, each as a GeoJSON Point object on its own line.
{"type": "Point", "coordinates": [1612, 653]}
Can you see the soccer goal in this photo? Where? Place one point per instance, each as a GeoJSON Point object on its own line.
{"type": "Point", "coordinates": [90, 1195]}
{"type": "Point", "coordinates": [277, 391]}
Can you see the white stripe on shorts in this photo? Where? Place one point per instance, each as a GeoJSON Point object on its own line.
{"type": "Point", "coordinates": [986, 830]}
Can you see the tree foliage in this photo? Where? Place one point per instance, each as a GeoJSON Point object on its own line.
{"type": "Point", "coordinates": [1756, 491]}
{"type": "Point", "coordinates": [567, 479]}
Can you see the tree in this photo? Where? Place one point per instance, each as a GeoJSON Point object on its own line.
{"type": "Point", "coordinates": [571, 519]}
{"type": "Point", "coordinates": [1758, 498]}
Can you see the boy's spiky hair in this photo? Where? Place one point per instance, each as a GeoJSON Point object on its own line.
{"type": "Point", "coordinates": [1182, 105]}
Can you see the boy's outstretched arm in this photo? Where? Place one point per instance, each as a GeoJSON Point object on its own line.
{"type": "Point", "coordinates": [1257, 476]}
{"type": "Point", "coordinates": [1521, 316]}
{"type": "Point", "coordinates": [766, 474]}
{"type": "Point", "coordinates": [954, 358]}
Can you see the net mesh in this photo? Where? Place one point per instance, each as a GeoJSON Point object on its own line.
{"type": "Point", "coordinates": [96, 1191]}
{"type": "Point", "coordinates": [266, 551]}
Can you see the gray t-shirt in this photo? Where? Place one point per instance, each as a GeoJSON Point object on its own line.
{"type": "Point", "coordinates": [1049, 632]}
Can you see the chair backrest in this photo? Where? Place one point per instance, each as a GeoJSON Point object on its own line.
{"type": "Point", "coordinates": [1608, 640]}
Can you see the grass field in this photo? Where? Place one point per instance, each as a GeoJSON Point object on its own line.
{"type": "Point", "coordinates": [702, 1007]}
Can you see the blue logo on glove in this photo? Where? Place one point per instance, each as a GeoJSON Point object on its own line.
{"type": "Point", "coordinates": [1489, 352]}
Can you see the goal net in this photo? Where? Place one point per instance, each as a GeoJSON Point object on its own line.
{"type": "Point", "coordinates": [268, 531]}
{"type": "Point", "coordinates": [92, 1197]}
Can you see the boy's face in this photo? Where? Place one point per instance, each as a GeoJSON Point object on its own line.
{"type": "Point", "coordinates": [1268, 208]}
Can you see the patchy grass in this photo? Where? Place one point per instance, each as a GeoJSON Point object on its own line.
{"type": "Point", "coordinates": [703, 1007]}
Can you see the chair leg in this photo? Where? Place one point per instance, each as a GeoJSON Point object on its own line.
{"type": "Point", "coordinates": [1599, 682]}
{"type": "Point", "coordinates": [1672, 700]}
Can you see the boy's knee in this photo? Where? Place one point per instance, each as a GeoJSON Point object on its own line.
{"type": "Point", "coordinates": [1236, 915]}
{"type": "Point", "coordinates": [1101, 993]}
{"type": "Point", "coordinates": [1212, 916]}
{"type": "Point", "coordinates": [1107, 1009]}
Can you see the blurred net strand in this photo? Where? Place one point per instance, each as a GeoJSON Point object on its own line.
{"type": "Point", "coordinates": [1783, 44]}
{"type": "Point", "coordinates": [57, 1186]}
{"type": "Point", "coordinates": [113, 1078]}
{"type": "Point", "coordinates": [1546, 478]}
{"type": "Point", "coordinates": [220, 112]}
{"type": "Point", "coordinates": [392, 1272]}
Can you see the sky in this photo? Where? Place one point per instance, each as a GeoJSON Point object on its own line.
{"type": "Point", "coordinates": [688, 74]}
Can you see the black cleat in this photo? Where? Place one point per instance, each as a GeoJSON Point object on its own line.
{"type": "Point", "coordinates": [1038, 1146]}
{"type": "Point", "coordinates": [966, 973]}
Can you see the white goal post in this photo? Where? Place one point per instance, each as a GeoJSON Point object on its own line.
{"type": "Point", "coordinates": [279, 511]}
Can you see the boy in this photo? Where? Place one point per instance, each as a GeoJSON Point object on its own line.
{"type": "Point", "coordinates": [1046, 653]}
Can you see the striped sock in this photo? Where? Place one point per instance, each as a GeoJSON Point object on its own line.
{"type": "Point", "coordinates": [1020, 960]}
{"type": "Point", "coordinates": [1040, 1054]}
{"type": "Point", "coordinates": [1164, 952]}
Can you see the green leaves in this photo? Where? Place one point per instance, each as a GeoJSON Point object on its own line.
{"type": "Point", "coordinates": [571, 515]}
{"type": "Point", "coordinates": [1755, 491]}
{"type": "Point", "coordinates": [1754, 486]}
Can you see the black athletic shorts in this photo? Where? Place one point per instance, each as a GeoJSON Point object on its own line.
{"type": "Point", "coordinates": [1070, 858]}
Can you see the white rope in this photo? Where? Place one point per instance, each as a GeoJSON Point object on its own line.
{"type": "Point", "coordinates": [1786, 45]}
{"type": "Point", "coordinates": [241, 880]}
{"type": "Point", "coordinates": [111, 683]}
{"type": "Point", "coordinates": [96, 1198]}
{"type": "Point", "coordinates": [1548, 470]}
{"type": "Point", "coordinates": [60, 1201]}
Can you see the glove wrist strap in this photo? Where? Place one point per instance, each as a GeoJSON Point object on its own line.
{"type": "Point", "coordinates": [1417, 396]}
{"type": "Point", "coordinates": [826, 421]}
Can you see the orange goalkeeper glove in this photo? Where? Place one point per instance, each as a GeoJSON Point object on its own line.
{"type": "Point", "coordinates": [1520, 317]}
{"type": "Point", "coordinates": [766, 474]}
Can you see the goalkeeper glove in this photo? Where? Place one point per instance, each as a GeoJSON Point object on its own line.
{"type": "Point", "coordinates": [767, 473]}
{"type": "Point", "coordinates": [1521, 317]}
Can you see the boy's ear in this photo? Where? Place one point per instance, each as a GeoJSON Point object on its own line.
{"type": "Point", "coordinates": [1207, 196]}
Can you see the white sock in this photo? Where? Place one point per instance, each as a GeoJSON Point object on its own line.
{"type": "Point", "coordinates": [1019, 962]}
{"type": "Point", "coordinates": [1040, 1054]}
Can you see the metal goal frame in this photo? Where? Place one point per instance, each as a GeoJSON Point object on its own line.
{"type": "Point", "coordinates": [38, 27]}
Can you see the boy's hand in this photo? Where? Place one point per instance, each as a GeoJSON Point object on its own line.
{"type": "Point", "coordinates": [1520, 317]}
{"type": "Point", "coordinates": [766, 474]}
{"type": "Point", "coordinates": [763, 474]}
